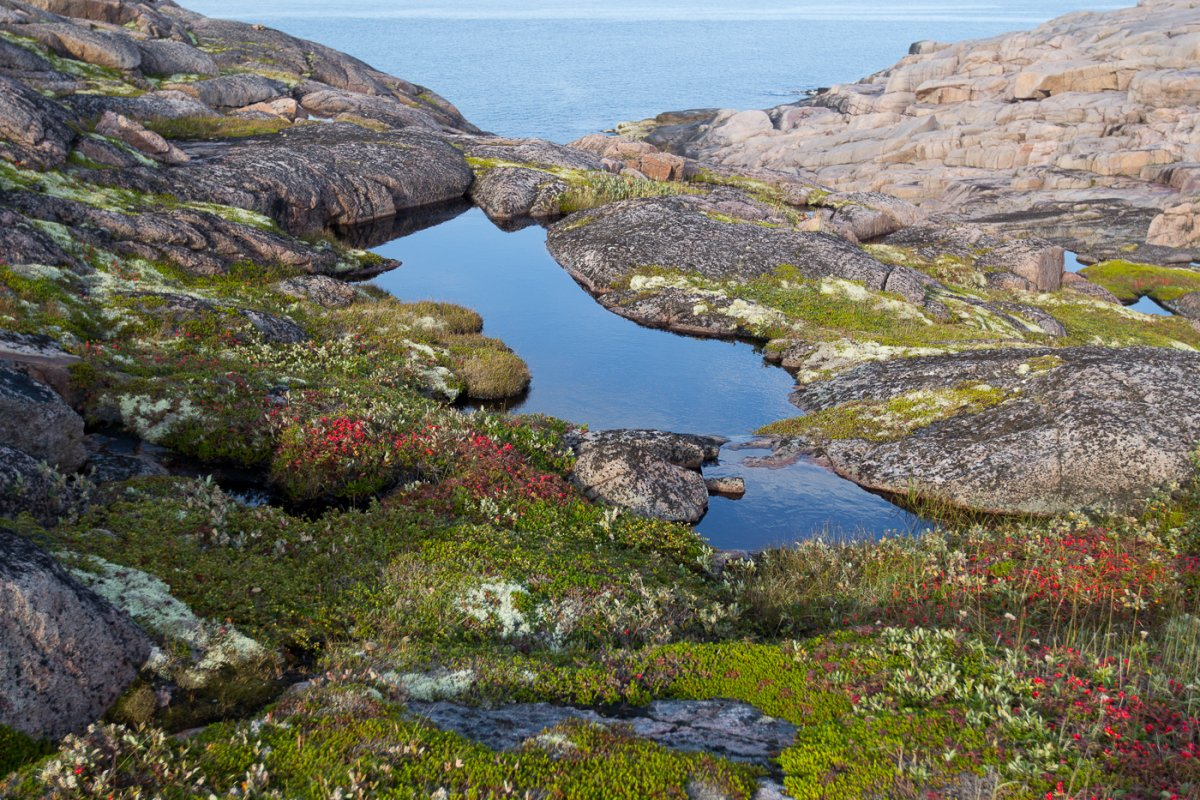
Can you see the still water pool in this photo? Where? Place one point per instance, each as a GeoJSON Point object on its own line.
{"type": "Point", "coordinates": [591, 366]}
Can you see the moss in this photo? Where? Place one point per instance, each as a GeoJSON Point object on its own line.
{"type": "Point", "coordinates": [891, 419]}
{"type": "Point", "coordinates": [184, 128]}
{"type": "Point", "coordinates": [489, 372]}
{"type": "Point", "coordinates": [1095, 322]}
{"type": "Point", "coordinates": [17, 750]}
{"type": "Point", "coordinates": [1130, 281]}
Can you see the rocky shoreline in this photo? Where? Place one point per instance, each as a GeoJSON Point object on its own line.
{"type": "Point", "coordinates": [184, 207]}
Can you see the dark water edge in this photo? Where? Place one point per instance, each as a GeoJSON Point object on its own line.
{"type": "Point", "coordinates": [591, 366]}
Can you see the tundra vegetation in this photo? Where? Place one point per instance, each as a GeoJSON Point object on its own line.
{"type": "Point", "coordinates": [422, 553]}
{"type": "Point", "coordinates": [414, 552]}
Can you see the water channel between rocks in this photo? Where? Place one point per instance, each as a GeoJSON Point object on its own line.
{"type": "Point", "coordinates": [591, 366]}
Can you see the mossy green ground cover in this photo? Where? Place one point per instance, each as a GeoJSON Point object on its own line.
{"type": "Point", "coordinates": [1051, 659]}
{"type": "Point", "coordinates": [1130, 281]}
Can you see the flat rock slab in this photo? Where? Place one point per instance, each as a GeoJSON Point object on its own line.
{"type": "Point", "coordinates": [736, 731]}
{"type": "Point", "coordinates": [689, 234]}
{"type": "Point", "coordinates": [66, 654]}
{"type": "Point", "coordinates": [1081, 428]}
{"type": "Point", "coordinates": [315, 177]}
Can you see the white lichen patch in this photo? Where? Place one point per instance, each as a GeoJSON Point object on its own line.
{"type": "Point", "coordinates": [149, 602]}
{"type": "Point", "coordinates": [1038, 366]}
{"type": "Point", "coordinates": [834, 356]}
{"type": "Point", "coordinates": [39, 272]}
{"type": "Point", "coordinates": [640, 283]}
{"type": "Point", "coordinates": [753, 313]}
{"type": "Point", "coordinates": [154, 419]}
{"type": "Point", "coordinates": [494, 603]}
{"type": "Point", "coordinates": [856, 292]}
{"type": "Point", "coordinates": [428, 687]}
{"type": "Point", "coordinates": [441, 381]}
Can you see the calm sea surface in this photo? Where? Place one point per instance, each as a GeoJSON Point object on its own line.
{"type": "Point", "coordinates": [561, 68]}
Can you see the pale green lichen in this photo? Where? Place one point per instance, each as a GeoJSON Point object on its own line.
{"type": "Point", "coordinates": [495, 603]}
{"type": "Point", "coordinates": [153, 419]}
{"type": "Point", "coordinates": [894, 418]}
{"type": "Point", "coordinates": [429, 687]}
{"type": "Point", "coordinates": [150, 603]}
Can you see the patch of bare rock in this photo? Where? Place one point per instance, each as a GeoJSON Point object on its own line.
{"type": "Point", "coordinates": [1082, 127]}
{"type": "Point", "coordinates": [1078, 428]}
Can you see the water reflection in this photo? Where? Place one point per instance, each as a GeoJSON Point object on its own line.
{"type": "Point", "coordinates": [594, 367]}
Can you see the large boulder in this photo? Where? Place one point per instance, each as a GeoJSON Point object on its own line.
{"type": "Point", "coordinates": [101, 48]}
{"type": "Point", "coordinates": [65, 653]}
{"type": "Point", "coordinates": [35, 419]}
{"type": "Point", "coordinates": [1069, 429]}
{"type": "Point", "coordinates": [1035, 260]}
{"type": "Point", "coordinates": [652, 473]}
{"type": "Point", "coordinates": [234, 91]}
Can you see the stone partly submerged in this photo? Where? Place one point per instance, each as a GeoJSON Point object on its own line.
{"type": "Point", "coordinates": [66, 653]}
{"type": "Point", "coordinates": [1080, 128]}
{"type": "Point", "coordinates": [652, 473]}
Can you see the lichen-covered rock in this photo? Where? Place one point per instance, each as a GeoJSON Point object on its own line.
{"type": "Point", "coordinates": [321, 289]}
{"type": "Point", "coordinates": [315, 177]}
{"type": "Point", "coordinates": [652, 473]}
{"type": "Point", "coordinates": [507, 193]}
{"type": "Point", "coordinates": [168, 104]}
{"type": "Point", "coordinates": [529, 153]}
{"type": "Point", "coordinates": [688, 234]}
{"type": "Point", "coordinates": [1086, 427]}
{"type": "Point", "coordinates": [870, 215]}
{"type": "Point", "coordinates": [65, 653]}
{"type": "Point", "coordinates": [326, 101]}
{"type": "Point", "coordinates": [274, 329]}
{"type": "Point", "coordinates": [36, 420]}
{"type": "Point", "coordinates": [39, 129]}
{"type": "Point", "coordinates": [131, 133]}
{"type": "Point", "coordinates": [1035, 260]}
{"type": "Point", "coordinates": [101, 48]}
{"type": "Point", "coordinates": [1187, 305]}
{"type": "Point", "coordinates": [166, 57]}
{"type": "Point", "coordinates": [1074, 282]}
{"type": "Point", "coordinates": [237, 45]}
{"type": "Point", "coordinates": [234, 91]}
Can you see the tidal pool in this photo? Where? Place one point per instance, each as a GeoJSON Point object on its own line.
{"type": "Point", "coordinates": [592, 366]}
